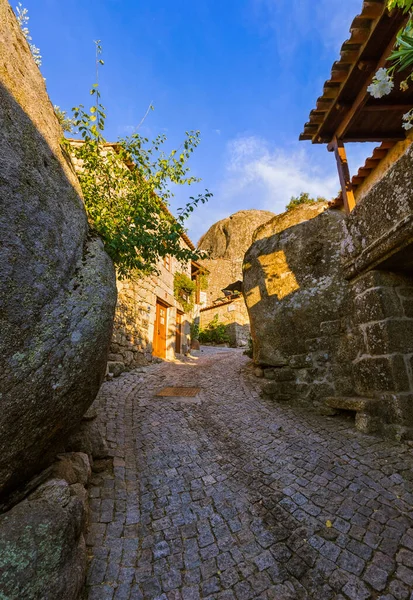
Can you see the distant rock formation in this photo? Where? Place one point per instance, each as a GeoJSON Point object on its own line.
{"type": "Point", "coordinates": [58, 292]}
{"type": "Point", "coordinates": [226, 242]}
{"type": "Point", "coordinates": [231, 237]}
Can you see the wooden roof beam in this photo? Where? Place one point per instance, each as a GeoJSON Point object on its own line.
{"type": "Point", "coordinates": [337, 147]}
{"type": "Point", "coordinates": [362, 96]}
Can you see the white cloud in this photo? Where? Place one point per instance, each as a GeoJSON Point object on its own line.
{"type": "Point", "coordinates": [265, 177]}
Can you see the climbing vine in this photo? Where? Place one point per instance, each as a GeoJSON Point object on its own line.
{"type": "Point", "coordinates": [184, 291]}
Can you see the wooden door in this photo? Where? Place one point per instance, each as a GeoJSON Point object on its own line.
{"type": "Point", "coordinates": [178, 334]}
{"type": "Point", "coordinates": [159, 335]}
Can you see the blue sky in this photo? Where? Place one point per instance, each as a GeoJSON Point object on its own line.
{"type": "Point", "coordinates": [245, 73]}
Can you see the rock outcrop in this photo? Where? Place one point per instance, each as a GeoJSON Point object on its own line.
{"type": "Point", "coordinates": [58, 291]}
{"type": "Point", "coordinates": [42, 548]}
{"type": "Point", "coordinates": [298, 303]}
{"type": "Point", "coordinates": [231, 237]}
{"type": "Point", "coordinates": [226, 242]}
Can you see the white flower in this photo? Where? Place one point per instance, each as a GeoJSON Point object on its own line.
{"type": "Point", "coordinates": [407, 126]}
{"type": "Point", "coordinates": [382, 84]}
{"type": "Point", "coordinates": [381, 75]}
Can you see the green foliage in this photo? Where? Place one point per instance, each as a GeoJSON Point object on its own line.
{"type": "Point", "coordinates": [194, 330]}
{"type": "Point", "coordinates": [303, 198]}
{"type": "Point", "coordinates": [402, 55]}
{"type": "Point", "coordinates": [126, 188]}
{"type": "Point", "coordinates": [184, 291]}
{"type": "Point", "coordinates": [214, 333]}
{"type": "Point", "coordinates": [203, 282]}
{"type": "Point", "coordinates": [66, 122]}
{"type": "Point", "coordinates": [406, 5]}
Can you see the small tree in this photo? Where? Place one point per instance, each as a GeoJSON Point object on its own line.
{"type": "Point", "coordinates": [126, 188]}
{"type": "Point", "coordinates": [303, 198]}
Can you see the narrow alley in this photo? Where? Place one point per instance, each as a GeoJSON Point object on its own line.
{"type": "Point", "coordinates": [229, 495]}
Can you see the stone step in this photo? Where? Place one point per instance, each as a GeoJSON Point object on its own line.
{"type": "Point", "coordinates": [355, 403]}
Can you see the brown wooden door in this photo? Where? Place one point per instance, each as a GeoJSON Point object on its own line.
{"type": "Point", "coordinates": [159, 336]}
{"type": "Point", "coordinates": [178, 335]}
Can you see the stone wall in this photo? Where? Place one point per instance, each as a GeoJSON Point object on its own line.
{"type": "Point", "coordinates": [383, 325]}
{"type": "Point", "coordinates": [331, 306]}
{"type": "Point", "coordinates": [234, 315]}
{"type": "Point", "coordinates": [133, 333]}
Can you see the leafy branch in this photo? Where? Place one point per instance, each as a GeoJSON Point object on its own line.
{"type": "Point", "coordinates": [126, 188]}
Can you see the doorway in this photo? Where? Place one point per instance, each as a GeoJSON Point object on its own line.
{"type": "Point", "coordinates": [178, 334]}
{"type": "Point", "coordinates": [159, 334]}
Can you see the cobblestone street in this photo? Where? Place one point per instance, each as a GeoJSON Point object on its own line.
{"type": "Point", "coordinates": [232, 496]}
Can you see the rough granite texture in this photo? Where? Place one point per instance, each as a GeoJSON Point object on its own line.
{"type": "Point", "coordinates": [227, 242]}
{"type": "Point", "coordinates": [298, 301]}
{"type": "Point", "coordinates": [42, 548]}
{"type": "Point", "coordinates": [380, 228]}
{"type": "Point", "coordinates": [58, 290]}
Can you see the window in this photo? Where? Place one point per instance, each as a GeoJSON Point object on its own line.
{"type": "Point", "coordinates": [167, 262]}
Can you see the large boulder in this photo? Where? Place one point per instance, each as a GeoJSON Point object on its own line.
{"type": "Point", "coordinates": [226, 243]}
{"type": "Point", "coordinates": [298, 302]}
{"type": "Point", "coordinates": [58, 291]}
{"type": "Point", "coordinates": [42, 548]}
{"type": "Point", "coordinates": [230, 238]}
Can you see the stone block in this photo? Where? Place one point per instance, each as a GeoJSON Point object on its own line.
{"type": "Point", "coordinates": [331, 327]}
{"type": "Point", "coordinates": [376, 279]}
{"type": "Point", "coordinates": [353, 403]}
{"type": "Point", "coordinates": [317, 344]}
{"type": "Point", "coordinates": [280, 374]}
{"type": "Point", "coordinates": [397, 408]}
{"type": "Point", "coordinates": [367, 423]}
{"type": "Point", "coordinates": [258, 372]}
{"type": "Point", "coordinates": [115, 357]}
{"type": "Point", "coordinates": [390, 336]}
{"type": "Point", "coordinates": [300, 361]}
{"type": "Point", "coordinates": [282, 388]}
{"type": "Point", "coordinates": [380, 374]}
{"type": "Point", "coordinates": [376, 305]}
{"type": "Point", "coordinates": [116, 368]}
{"type": "Point", "coordinates": [407, 304]}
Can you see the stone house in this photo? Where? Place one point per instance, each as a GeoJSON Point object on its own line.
{"type": "Point", "coordinates": [330, 296]}
{"type": "Point", "coordinates": [226, 243]}
{"type": "Point", "coordinates": [150, 321]}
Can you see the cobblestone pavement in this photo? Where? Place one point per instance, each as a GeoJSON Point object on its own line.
{"type": "Point", "coordinates": [236, 497]}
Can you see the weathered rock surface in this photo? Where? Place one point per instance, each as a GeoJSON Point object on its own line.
{"type": "Point", "coordinates": [298, 301]}
{"type": "Point", "coordinates": [58, 292]}
{"type": "Point", "coordinates": [87, 438]}
{"type": "Point", "coordinates": [283, 221]}
{"type": "Point", "coordinates": [231, 237]}
{"type": "Point", "coordinates": [42, 548]}
{"type": "Point", "coordinates": [227, 241]}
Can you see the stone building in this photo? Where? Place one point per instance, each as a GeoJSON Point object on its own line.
{"type": "Point", "coordinates": [226, 243]}
{"type": "Point", "coordinates": [330, 299]}
{"type": "Point", "coordinates": [149, 320]}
